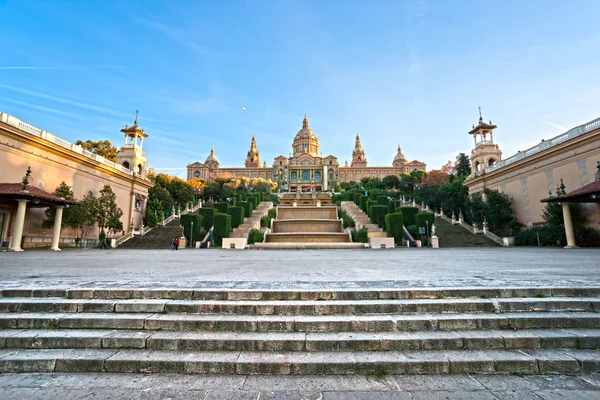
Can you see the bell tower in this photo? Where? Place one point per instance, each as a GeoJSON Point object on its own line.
{"type": "Point", "coordinates": [131, 155]}
{"type": "Point", "coordinates": [358, 155]}
{"type": "Point", "coordinates": [486, 153]}
{"type": "Point", "coordinates": [253, 157]}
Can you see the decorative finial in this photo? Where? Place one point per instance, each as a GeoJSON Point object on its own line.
{"type": "Point", "coordinates": [480, 117]}
{"type": "Point", "coordinates": [305, 122]}
{"type": "Point", "coordinates": [598, 166]}
{"type": "Point", "coordinates": [135, 123]}
{"type": "Point", "coordinates": [26, 178]}
{"type": "Point", "coordinates": [562, 187]}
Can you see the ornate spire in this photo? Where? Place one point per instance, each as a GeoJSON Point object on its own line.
{"type": "Point", "coordinates": [305, 122]}
{"type": "Point", "coordinates": [135, 123]}
{"type": "Point", "coordinates": [26, 178]}
{"type": "Point", "coordinates": [480, 117]}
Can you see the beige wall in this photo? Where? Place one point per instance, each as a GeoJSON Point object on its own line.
{"type": "Point", "coordinates": [529, 180]}
{"type": "Point", "coordinates": [50, 164]}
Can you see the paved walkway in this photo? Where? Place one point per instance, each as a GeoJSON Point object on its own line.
{"type": "Point", "coordinates": [499, 267]}
{"type": "Point", "coordinates": [256, 387]}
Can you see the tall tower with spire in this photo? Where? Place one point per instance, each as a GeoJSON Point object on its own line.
{"type": "Point", "coordinates": [253, 157]}
{"type": "Point", "coordinates": [131, 155]}
{"type": "Point", "coordinates": [358, 155]}
{"type": "Point", "coordinates": [486, 153]}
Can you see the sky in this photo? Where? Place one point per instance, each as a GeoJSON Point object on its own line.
{"type": "Point", "coordinates": [396, 72]}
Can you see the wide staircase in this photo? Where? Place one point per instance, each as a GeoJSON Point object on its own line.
{"type": "Point", "coordinates": [361, 220]}
{"type": "Point", "coordinates": [307, 226]}
{"type": "Point", "coordinates": [301, 332]}
{"type": "Point", "coordinates": [158, 238]}
{"type": "Point", "coordinates": [456, 236]}
{"type": "Point", "coordinates": [252, 221]}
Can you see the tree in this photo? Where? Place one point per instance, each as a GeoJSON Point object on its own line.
{"type": "Point", "coordinates": [108, 213]}
{"type": "Point", "coordinates": [161, 194]}
{"type": "Point", "coordinates": [499, 214]}
{"type": "Point", "coordinates": [181, 191]}
{"type": "Point", "coordinates": [462, 167]}
{"type": "Point", "coordinates": [197, 184]}
{"type": "Point", "coordinates": [553, 215]}
{"type": "Point", "coordinates": [391, 182]}
{"type": "Point", "coordinates": [102, 148]}
{"type": "Point", "coordinates": [435, 177]}
{"type": "Point", "coordinates": [448, 168]}
{"type": "Point", "coordinates": [84, 214]}
{"type": "Point", "coordinates": [163, 180]}
{"type": "Point", "coordinates": [64, 191]}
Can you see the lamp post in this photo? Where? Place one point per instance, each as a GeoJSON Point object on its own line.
{"type": "Point", "coordinates": [427, 232]}
{"type": "Point", "coordinates": [192, 234]}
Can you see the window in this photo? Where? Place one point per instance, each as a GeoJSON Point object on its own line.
{"type": "Point", "coordinates": [139, 169]}
{"type": "Point", "coordinates": [317, 176]}
{"type": "Point", "coordinates": [330, 162]}
{"type": "Point", "coordinates": [126, 165]}
{"type": "Point", "coordinates": [280, 162]}
{"type": "Point", "coordinates": [294, 177]}
{"type": "Point", "coordinates": [305, 176]}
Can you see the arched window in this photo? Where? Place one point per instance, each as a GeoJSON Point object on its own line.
{"type": "Point", "coordinates": [294, 177]}
{"type": "Point", "coordinates": [305, 176]}
{"type": "Point", "coordinates": [196, 174]}
{"type": "Point", "coordinates": [477, 166]}
{"type": "Point", "coordinates": [126, 165]}
{"type": "Point", "coordinates": [491, 162]}
{"type": "Point", "coordinates": [139, 169]}
{"type": "Point", "coordinates": [330, 162]}
{"type": "Point", "coordinates": [318, 176]}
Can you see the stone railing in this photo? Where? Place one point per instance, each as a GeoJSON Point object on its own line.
{"type": "Point", "coordinates": [124, 238]}
{"type": "Point", "coordinates": [544, 145]}
{"type": "Point", "coordinates": [467, 227]}
{"type": "Point", "coordinates": [16, 123]}
{"type": "Point", "coordinates": [495, 238]}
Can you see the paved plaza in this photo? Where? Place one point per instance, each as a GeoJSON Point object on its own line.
{"type": "Point", "coordinates": [497, 267]}
{"type": "Point", "coordinates": [253, 387]}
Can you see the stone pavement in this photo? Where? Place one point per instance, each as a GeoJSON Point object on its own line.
{"type": "Point", "coordinates": [260, 387]}
{"type": "Point", "coordinates": [303, 269]}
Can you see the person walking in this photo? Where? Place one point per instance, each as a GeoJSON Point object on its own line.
{"type": "Point", "coordinates": [177, 244]}
{"type": "Point", "coordinates": [173, 244]}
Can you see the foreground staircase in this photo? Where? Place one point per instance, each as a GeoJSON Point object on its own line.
{"type": "Point", "coordinates": [158, 238]}
{"type": "Point", "coordinates": [456, 236]}
{"type": "Point", "coordinates": [345, 331]}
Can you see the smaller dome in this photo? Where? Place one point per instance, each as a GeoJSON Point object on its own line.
{"type": "Point", "coordinates": [305, 132]}
{"type": "Point", "coordinates": [211, 157]}
{"type": "Point", "coordinates": [399, 156]}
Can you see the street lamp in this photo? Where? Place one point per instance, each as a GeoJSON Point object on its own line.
{"type": "Point", "coordinates": [192, 234]}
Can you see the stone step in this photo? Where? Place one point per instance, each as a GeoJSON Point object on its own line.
{"type": "Point", "coordinates": [299, 307]}
{"type": "Point", "coordinates": [293, 294]}
{"type": "Point", "coordinates": [300, 341]}
{"type": "Point", "coordinates": [299, 323]}
{"type": "Point", "coordinates": [301, 363]}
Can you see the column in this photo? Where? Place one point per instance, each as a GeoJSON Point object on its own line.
{"type": "Point", "coordinates": [19, 222]}
{"type": "Point", "coordinates": [568, 226]}
{"type": "Point", "coordinates": [56, 228]}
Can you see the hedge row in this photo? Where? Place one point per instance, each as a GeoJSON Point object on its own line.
{"type": "Point", "coordinates": [186, 221]}
{"type": "Point", "coordinates": [237, 215]}
{"type": "Point", "coordinates": [377, 214]}
{"type": "Point", "coordinates": [208, 216]}
{"type": "Point", "coordinates": [247, 208]}
{"type": "Point", "coordinates": [393, 226]}
{"type": "Point", "coordinates": [408, 213]}
{"type": "Point", "coordinates": [221, 207]}
{"type": "Point", "coordinates": [222, 227]}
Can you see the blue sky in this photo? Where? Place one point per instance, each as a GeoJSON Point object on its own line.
{"type": "Point", "coordinates": [409, 72]}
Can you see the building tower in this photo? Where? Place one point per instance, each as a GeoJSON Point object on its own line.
{"type": "Point", "coordinates": [306, 141]}
{"type": "Point", "coordinates": [358, 155]}
{"type": "Point", "coordinates": [131, 155]}
{"type": "Point", "coordinates": [486, 153]}
{"type": "Point", "coordinates": [400, 159]}
{"type": "Point", "coordinates": [253, 157]}
{"type": "Point", "coordinates": [212, 162]}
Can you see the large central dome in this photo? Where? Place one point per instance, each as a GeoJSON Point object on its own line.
{"type": "Point", "coordinates": [306, 141]}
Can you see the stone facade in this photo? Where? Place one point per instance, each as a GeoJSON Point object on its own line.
{"type": "Point", "coordinates": [305, 169]}
{"type": "Point", "coordinates": [533, 174]}
{"type": "Point", "coordinates": [53, 160]}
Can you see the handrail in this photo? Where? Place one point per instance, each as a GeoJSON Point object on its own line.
{"type": "Point", "coordinates": [467, 227]}
{"type": "Point", "coordinates": [124, 238]}
{"type": "Point", "coordinates": [494, 237]}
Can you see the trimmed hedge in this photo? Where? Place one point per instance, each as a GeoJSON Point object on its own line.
{"type": "Point", "coordinates": [408, 214]}
{"type": "Point", "coordinates": [377, 215]}
{"type": "Point", "coordinates": [221, 207]}
{"type": "Point", "coordinates": [238, 198]}
{"type": "Point", "coordinates": [272, 213]}
{"type": "Point", "coordinates": [374, 195]}
{"type": "Point", "coordinates": [383, 200]}
{"type": "Point", "coordinates": [357, 197]}
{"type": "Point", "coordinates": [363, 203]}
{"type": "Point", "coordinates": [370, 203]}
{"type": "Point", "coordinates": [247, 208]}
{"type": "Point", "coordinates": [208, 214]}
{"type": "Point", "coordinates": [255, 236]}
{"type": "Point", "coordinates": [422, 217]}
{"type": "Point", "coordinates": [360, 236]}
{"type": "Point", "coordinates": [265, 221]}
{"type": "Point", "coordinates": [186, 221]}
{"type": "Point", "coordinates": [261, 197]}
{"type": "Point", "coordinates": [222, 227]}
{"type": "Point", "coordinates": [253, 200]}
{"type": "Point", "coordinates": [237, 215]}
{"type": "Point", "coordinates": [393, 226]}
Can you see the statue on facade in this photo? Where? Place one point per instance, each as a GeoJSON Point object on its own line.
{"type": "Point", "coordinates": [433, 230]}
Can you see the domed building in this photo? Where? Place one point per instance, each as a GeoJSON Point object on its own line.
{"type": "Point", "coordinates": [305, 169]}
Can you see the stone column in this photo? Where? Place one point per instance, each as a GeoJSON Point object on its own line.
{"type": "Point", "coordinates": [568, 226]}
{"type": "Point", "coordinates": [56, 228]}
{"type": "Point", "coordinates": [19, 222]}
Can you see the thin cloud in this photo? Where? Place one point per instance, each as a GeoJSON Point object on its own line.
{"type": "Point", "coordinates": [556, 125]}
{"type": "Point", "coordinates": [42, 108]}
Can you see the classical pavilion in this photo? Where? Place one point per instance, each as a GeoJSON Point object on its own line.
{"type": "Point", "coordinates": [305, 169]}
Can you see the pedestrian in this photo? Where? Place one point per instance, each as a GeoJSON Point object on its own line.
{"type": "Point", "coordinates": [172, 244]}
{"type": "Point", "coordinates": [177, 244]}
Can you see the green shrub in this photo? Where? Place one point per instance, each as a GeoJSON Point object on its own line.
{"type": "Point", "coordinates": [374, 195]}
{"type": "Point", "coordinates": [253, 200]}
{"type": "Point", "coordinates": [420, 219]}
{"type": "Point", "coordinates": [377, 215]}
{"type": "Point", "coordinates": [272, 213]}
{"type": "Point", "coordinates": [336, 199]}
{"type": "Point", "coordinates": [357, 197]}
{"type": "Point", "coordinates": [237, 215]}
{"type": "Point", "coordinates": [363, 203]}
{"type": "Point", "coordinates": [150, 220]}
{"type": "Point", "coordinates": [221, 207]}
{"type": "Point", "coordinates": [383, 200]}
{"type": "Point", "coordinates": [370, 203]}
{"type": "Point", "coordinates": [347, 221]}
{"type": "Point", "coordinates": [393, 226]}
{"type": "Point", "coordinates": [222, 227]}
{"type": "Point", "coordinates": [587, 237]}
{"type": "Point", "coordinates": [261, 197]}
{"type": "Point", "coordinates": [265, 221]}
{"type": "Point", "coordinates": [413, 230]}
{"type": "Point", "coordinates": [236, 198]}
{"type": "Point", "coordinates": [255, 236]}
{"type": "Point", "coordinates": [360, 236]}
{"type": "Point", "coordinates": [247, 208]}
{"type": "Point", "coordinates": [208, 216]}
{"type": "Point", "coordinates": [186, 221]}
{"type": "Point", "coordinates": [408, 214]}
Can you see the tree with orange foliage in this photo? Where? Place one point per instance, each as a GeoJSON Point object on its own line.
{"type": "Point", "coordinates": [435, 177]}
